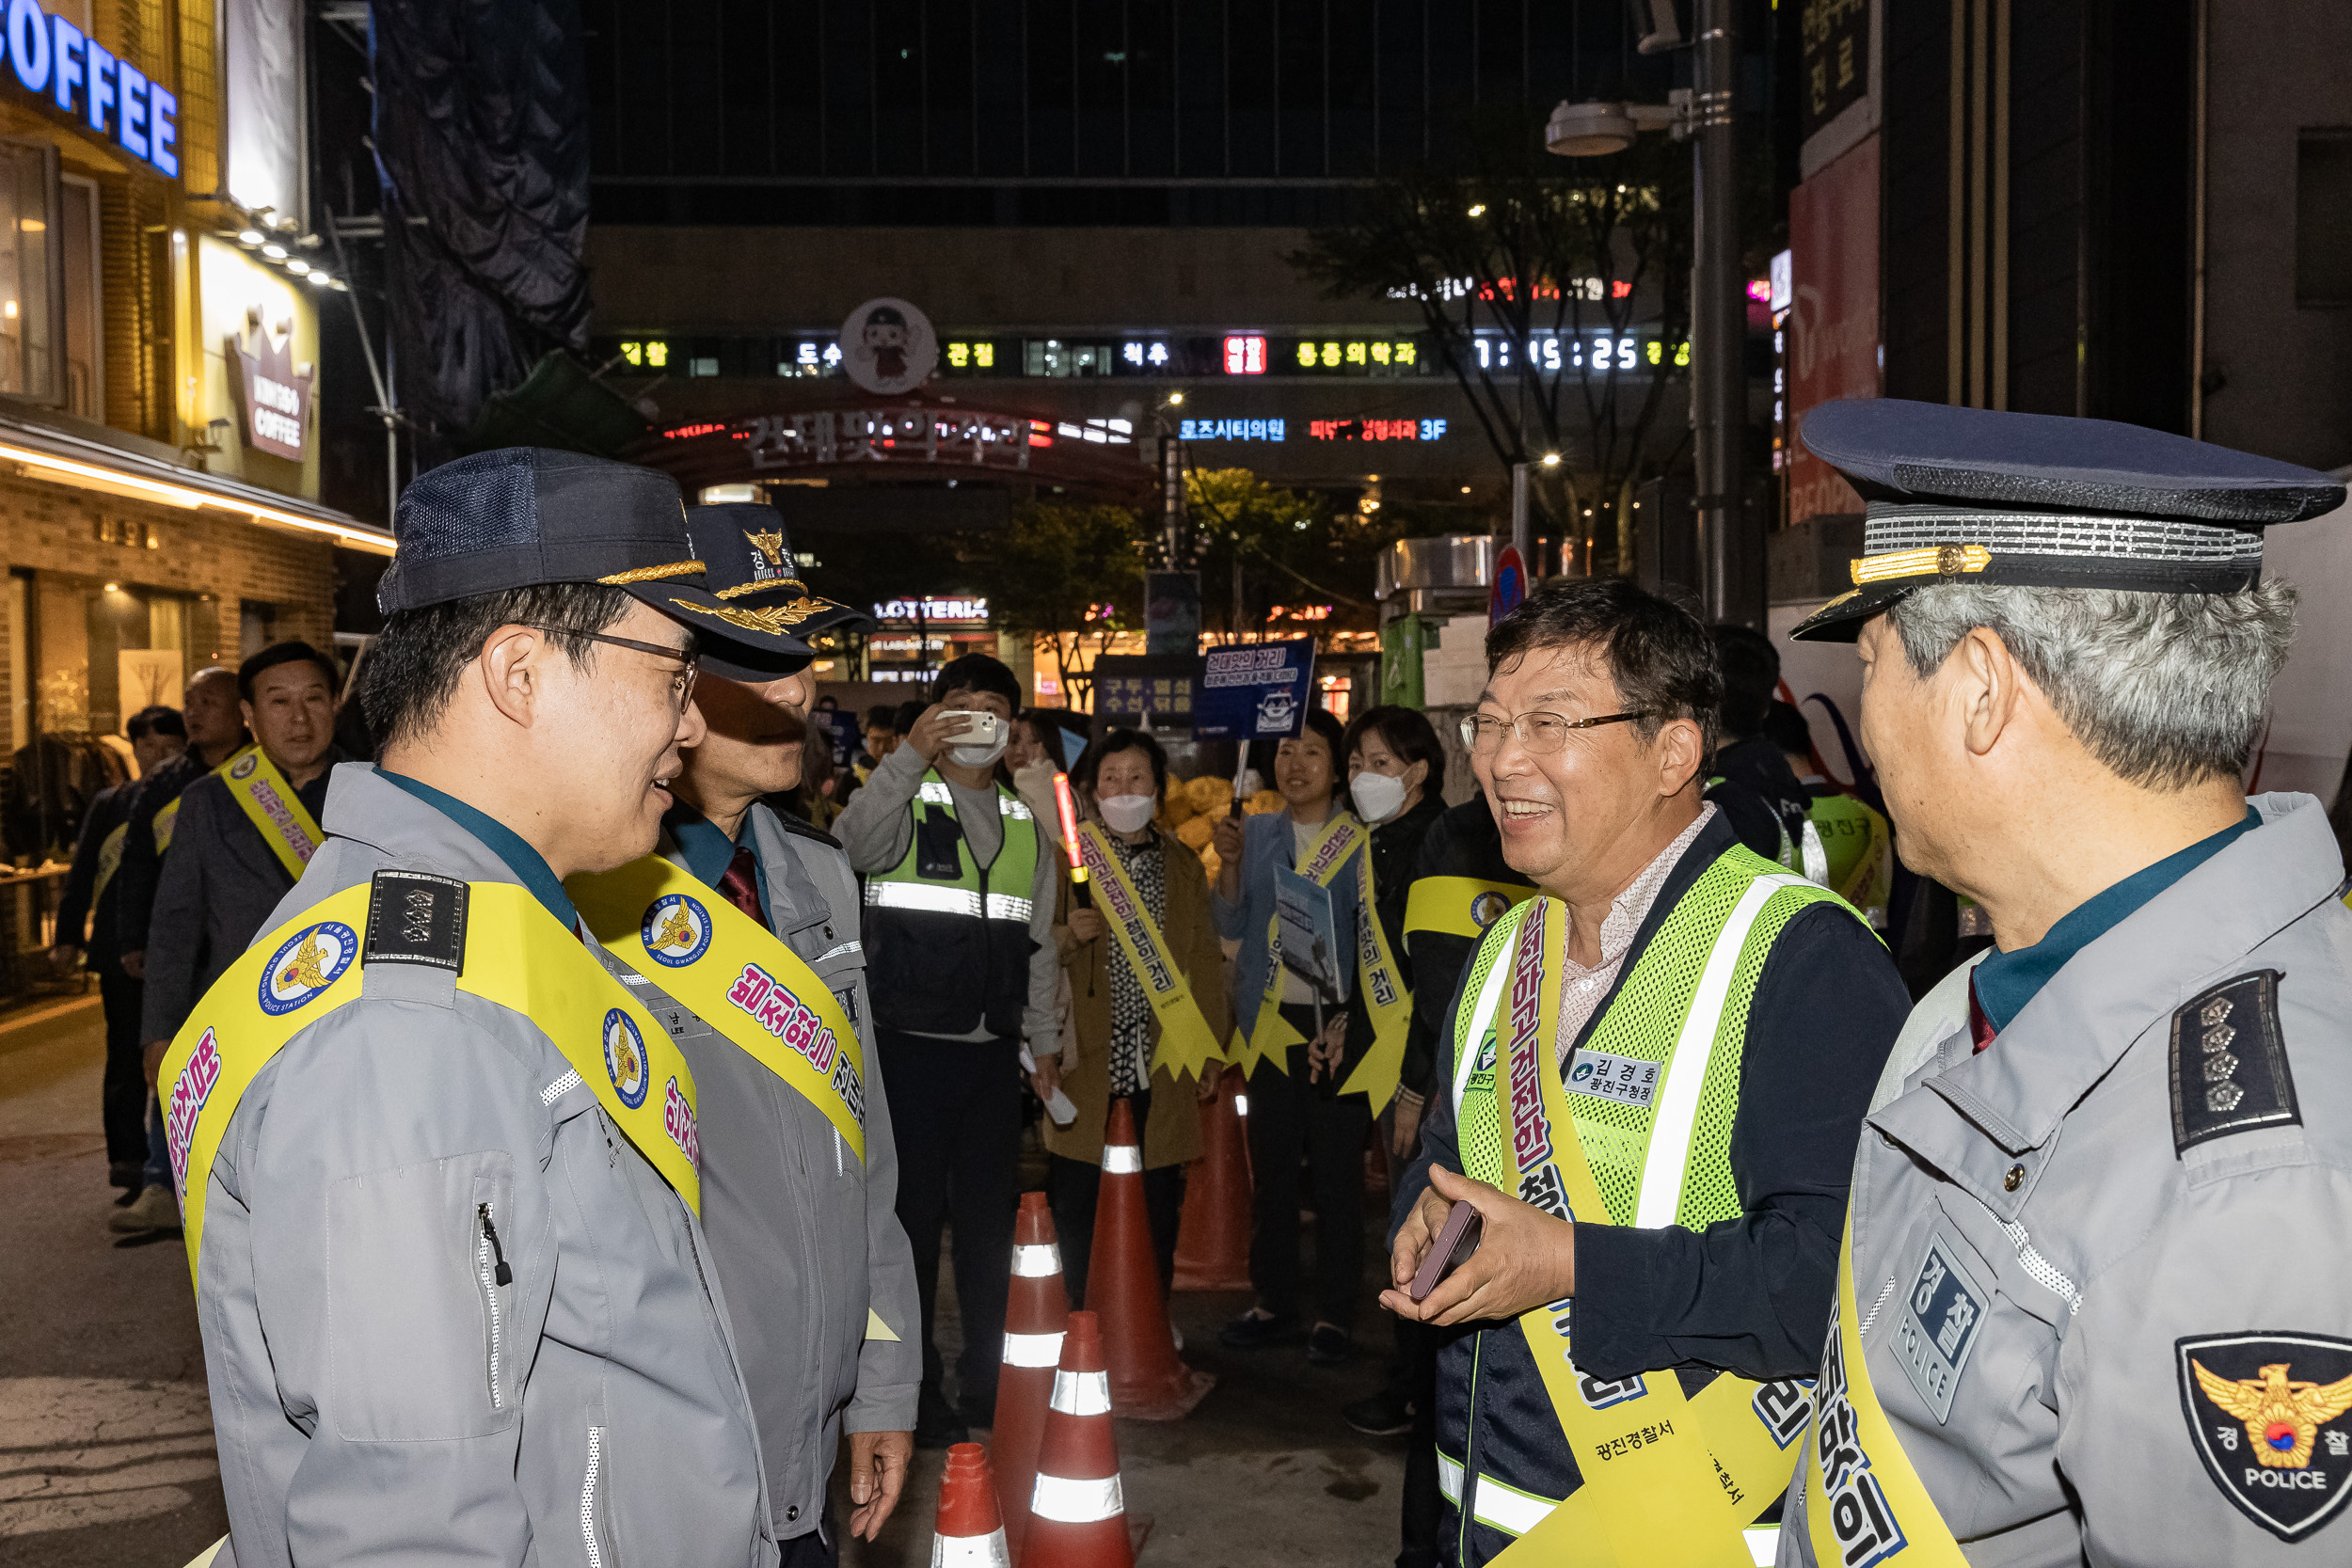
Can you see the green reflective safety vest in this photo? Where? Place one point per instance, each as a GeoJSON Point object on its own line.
{"type": "Point", "coordinates": [1859, 847]}
{"type": "Point", "coordinates": [1655, 1086]}
{"type": "Point", "coordinates": [947, 938]}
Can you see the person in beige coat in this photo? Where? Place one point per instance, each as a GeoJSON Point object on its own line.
{"type": "Point", "coordinates": [1121, 780]}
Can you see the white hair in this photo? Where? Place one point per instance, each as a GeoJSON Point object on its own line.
{"type": "Point", "coordinates": [2166, 689]}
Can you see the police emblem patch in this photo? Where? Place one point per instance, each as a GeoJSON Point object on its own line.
{"type": "Point", "coordinates": [2267, 1415]}
{"type": "Point", "coordinates": [306, 964]}
{"type": "Point", "coordinates": [243, 768]}
{"type": "Point", "coordinates": [677, 931]}
{"type": "Point", "coordinates": [1487, 908]}
{"type": "Point", "coordinates": [1486, 1053]}
{"type": "Point", "coordinates": [1941, 1318]}
{"type": "Point", "coordinates": [625, 1058]}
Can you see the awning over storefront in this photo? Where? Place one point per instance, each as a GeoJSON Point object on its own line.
{"type": "Point", "coordinates": [139, 470]}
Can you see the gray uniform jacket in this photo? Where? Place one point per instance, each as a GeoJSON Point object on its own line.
{"type": "Point", "coordinates": [806, 1238]}
{"type": "Point", "coordinates": [2148, 1174]}
{"type": "Point", "coordinates": [213, 894]}
{"type": "Point", "coordinates": [376, 1396]}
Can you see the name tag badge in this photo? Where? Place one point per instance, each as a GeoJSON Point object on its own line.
{"type": "Point", "coordinates": [1623, 1079]}
{"type": "Point", "coordinates": [1942, 1315]}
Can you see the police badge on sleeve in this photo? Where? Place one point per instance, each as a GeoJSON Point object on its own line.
{"type": "Point", "coordinates": [2267, 1413]}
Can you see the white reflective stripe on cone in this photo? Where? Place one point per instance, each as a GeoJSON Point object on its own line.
{"type": "Point", "coordinates": [1450, 1478]}
{"type": "Point", "coordinates": [1763, 1543]}
{"type": "Point", "coordinates": [1032, 1350]}
{"type": "Point", "coordinates": [1077, 1502]}
{"type": "Point", "coordinates": [1036, 1263]}
{"type": "Point", "coordinates": [971, 1551]}
{"type": "Point", "coordinates": [929, 898]}
{"type": "Point", "coordinates": [1082, 1393]}
{"type": "Point", "coordinates": [1122, 1160]}
{"type": "Point", "coordinates": [1508, 1509]}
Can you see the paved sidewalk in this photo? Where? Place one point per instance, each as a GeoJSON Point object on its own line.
{"type": "Point", "coordinates": [107, 1455]}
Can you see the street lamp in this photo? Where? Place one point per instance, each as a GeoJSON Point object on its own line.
{"type": "Point", "coordinates": [1703, 117]}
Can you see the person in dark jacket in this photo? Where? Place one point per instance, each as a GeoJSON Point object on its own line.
{"type": "Point", "coordinates": [215, 725]}
{"type": "Point", "coordinates": [87, 929]}
{"type": "Point", "coordinates": [226, 872]}
{"type": "Point", "coordinates": [1753, 785]}
{"type": "Point", "coordinates": [1714, 1124]}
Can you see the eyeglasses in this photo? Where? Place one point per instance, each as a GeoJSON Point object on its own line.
{"type": "Point", "coordinates": [1540, 733]}
{"type": "Point", "coordinates": [681, 683]}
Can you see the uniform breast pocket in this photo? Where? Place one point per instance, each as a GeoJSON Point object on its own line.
{"type": "Point", "coordinates": [424, 1291]}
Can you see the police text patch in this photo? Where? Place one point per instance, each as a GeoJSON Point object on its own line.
{"type": "Point", "coordinates": [2230, 1062]}
{"type": "Point", "coordinates": [1941, 1318]}
{"type": "Point", "coordinates": [2271, 1415]}
{"type": "Point", "coordinates": [415, 918]}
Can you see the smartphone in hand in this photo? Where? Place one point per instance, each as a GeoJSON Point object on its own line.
{"type": "Point", "coordinates": [1457, 1239]}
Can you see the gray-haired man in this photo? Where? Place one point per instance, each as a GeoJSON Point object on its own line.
{"type": "Point", "coordinates": [2092, 1304]}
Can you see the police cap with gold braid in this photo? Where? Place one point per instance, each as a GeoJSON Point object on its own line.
{"type": "Point", "coordinates": [2036, 500]}
{"type": "Point", "coordinates": [520, 516]}
{"type": "Point", "coordinates": [750, 569]}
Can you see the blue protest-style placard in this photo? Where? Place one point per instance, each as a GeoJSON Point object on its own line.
{"type": "Point", "coordinates": [1254, 690]}
{"type": "Point", "coordinates": [1307, 919]}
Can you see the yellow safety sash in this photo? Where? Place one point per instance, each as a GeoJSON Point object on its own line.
{"type": "Point", "coordinates": [109, 860]}
{"type": "Point", "coordinates": [517, 955]}
{"type": "Point", "coordinates": [734, 975]}
{"type": "Point", "coordinates": [272, 806]}
{"type": "Point", "coordinates": [165, 815]}
{"type": "Point", "coordinates": [1187, 1045]}
{"type": "Point", "coordinates": [1863, 1501]}
{"type": "Point", "coordinates": [1270, 1035]}
{"type": "Point", "coordinates": [1459, 906]}
{"type": "Point", "coordinates": [1666, 1478]}
{"type": "Point", "coordinates": [1386, 1000]}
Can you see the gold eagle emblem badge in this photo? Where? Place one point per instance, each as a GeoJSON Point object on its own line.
{"type": "Point", "coordinates": [2282, 1418]}
{"type": "Point", "coordinates": [308, 968]}
{"type": "Point", "coordinates": [677, 930]}
{"type": "Point", "coordinates": [770, 546]}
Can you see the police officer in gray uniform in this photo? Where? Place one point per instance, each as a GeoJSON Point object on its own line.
{"type": "Point", "coordinates": [806, 1233]}
{"type": "Point", "coordinates": [451, 1312]}
{"type": "Point", "coordinates": [2094, 1305]}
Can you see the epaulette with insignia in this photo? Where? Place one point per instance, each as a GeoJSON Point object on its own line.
{"type": "Point", "coordinates": [2230, 1062]}
{"type": "Point", "coordinates": [799, 829]}
{"type": "Point", "coordinates": [415, 918]}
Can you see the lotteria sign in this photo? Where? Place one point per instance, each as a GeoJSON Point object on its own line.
{"type": "Point", "coordinates": [53, 59]}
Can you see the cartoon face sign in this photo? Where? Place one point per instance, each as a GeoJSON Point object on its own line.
{"type": "Point", "coordinates": [305, 965]}
{"type": "Point", "coordinates": [888, 346]}
{"type": "Point", "coordinates": [625, 1058]}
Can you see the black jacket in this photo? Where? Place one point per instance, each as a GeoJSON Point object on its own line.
{"type": "Point", "coordinates": [111, 809]}
{"type": "Point", "coordinates": [1759, 792]}
{"type": "Point", "coordinates": [1395, 854]}
{"type": "Point", "coordinates": [1750, 1294]}
{"type": "Point", "coordinates": [1465, 842]}
{"type": "Point", "coordinates": [142, 862]}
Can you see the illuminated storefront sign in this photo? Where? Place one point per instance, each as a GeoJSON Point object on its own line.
{"type": "Point", "coordinates": [276, 398]}
{"type": "Point", "coordinates": [1232, 430]}
{"type": "Point", "coordinates": [73, 75]}
{"type": "Point", "coordinates": [933, 611]}
{"type": "Point", "coordinates": [1375, 429]}
{"type": "Point", "coordinates": [1245, 354]}
{"type": "Point", "coordinates": [1331, 354]}
{"type": "Point", "coordinates": [1600, 352]}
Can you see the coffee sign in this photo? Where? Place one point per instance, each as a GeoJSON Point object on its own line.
{"type": "Point", "coordinates": [277, 392]}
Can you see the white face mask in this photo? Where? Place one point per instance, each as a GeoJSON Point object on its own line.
{"type": "Point", "coordinates": [1127, 814]}
{"type": "Point", "coordinates": [982, 756]}
{"type": "Point", "coordinates": [1377, 795]}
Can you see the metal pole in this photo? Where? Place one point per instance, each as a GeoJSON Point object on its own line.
{"type": "Point", "coordinates": [1718, 313]}
{"type": "Point", "coordinates": [1175, 539]}
{"type": "Point", "coordinates": [1522, 530]}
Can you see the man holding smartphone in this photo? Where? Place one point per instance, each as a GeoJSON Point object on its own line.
{"type": "Point", "coordinates": [1657, 1072]}
{"type": "Point", "coordinates": [960, 903]}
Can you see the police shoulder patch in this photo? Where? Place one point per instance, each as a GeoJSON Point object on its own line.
{"type": "Point", "coordinates": [2230, 1062]}
{"type": "Point", "coordinates": [2267, 1416]}
{"type": "Point", "coordinates": [415, 918]}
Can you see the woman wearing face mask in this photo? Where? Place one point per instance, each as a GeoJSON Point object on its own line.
{"type": "Point", "coordinates": [1122, 1044]}
{"type": "Point", "coordinates": [1294, 1103]}
{"type": "Point", "coordinates": [1395, 775]}
{"type": "Point", "coordinates": [1032, 756]}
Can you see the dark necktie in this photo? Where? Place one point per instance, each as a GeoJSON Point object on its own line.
{"type": "Point", "coordinates": [1980, 1030]}
{"type": "Point", "coordinates": [741, 883]}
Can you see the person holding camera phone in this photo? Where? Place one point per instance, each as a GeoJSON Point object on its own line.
{"type": "Point", "coordinates": [1656, 1074]}
{"type": "Point", "coordinates": [961, 897]}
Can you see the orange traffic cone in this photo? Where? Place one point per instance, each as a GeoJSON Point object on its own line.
{"type": "Point", "coordinates": [1035, 1311]}
{"type": "Point", "coordinates": [1123, 1289]}
{"type": "Point", "coordinates": [1079, 1509]}
{"type": "Point", "coordinates": [1212, 1239]}
{"type": "Point", "coordinates": [970, 1533]}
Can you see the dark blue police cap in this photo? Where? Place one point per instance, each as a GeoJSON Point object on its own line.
{"type": "Point", "coordinates": [524, 515]}
{"type": "Point", "coordinates": [2036, 500]}
{"type": "Point", "coordinates": [750, 568]}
